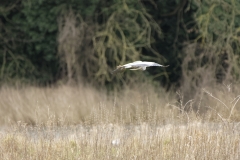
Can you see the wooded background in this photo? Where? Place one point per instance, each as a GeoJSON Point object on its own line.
{"type": "Point", "coordinates": [59, 41]}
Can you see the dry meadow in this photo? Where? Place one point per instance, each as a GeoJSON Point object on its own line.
{"type": "Point", "coordinates": [67, 122]}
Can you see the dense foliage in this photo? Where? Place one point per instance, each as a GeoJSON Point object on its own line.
{"type": "Point", "coordinates": [48, 41]}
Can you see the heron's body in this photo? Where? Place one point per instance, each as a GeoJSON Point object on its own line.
{"type": "Point", "coordinates": [137, 65]}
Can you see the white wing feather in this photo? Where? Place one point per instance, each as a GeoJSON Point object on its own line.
{"type": "Point", "coordinates": [137, 65]}
{"type": "Point", "coordinates": [143, 64]}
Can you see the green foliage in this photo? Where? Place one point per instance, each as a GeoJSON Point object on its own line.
{"type": "Point", "coordinates": [122, 31]}
{"type": "Point", "coordinates": [176, 22]}
{"type": "Point", "coordinates": [31, 52]}
{"type": "Point", "coordinates": [48, 40]}
{"type": "Point", "coordinates": [219, 26]}
{"type": "Point", "coordinates": [127, 30]}
{"type": "Point", "coordinates": [213, 56]}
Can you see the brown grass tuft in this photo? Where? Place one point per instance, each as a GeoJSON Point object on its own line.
{"type": "Point", "coordinates": [140, 122]}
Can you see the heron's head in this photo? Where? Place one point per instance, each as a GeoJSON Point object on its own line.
{"type": "Point", "coordinates": [120, 67]}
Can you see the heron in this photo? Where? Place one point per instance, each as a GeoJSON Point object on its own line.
{"type": "Point", "coordinates": [137, 65]}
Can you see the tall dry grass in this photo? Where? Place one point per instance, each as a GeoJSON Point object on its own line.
{"type": "Point", "coordinates": [141, 122]}
{"type": "Point", "coordinates": [80, 104]}
{"type": "Point", "coordinates": [144, 141]}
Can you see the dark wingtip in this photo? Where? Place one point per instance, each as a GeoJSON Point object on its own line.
{"type": "Point", "coordinates": [166, 66]}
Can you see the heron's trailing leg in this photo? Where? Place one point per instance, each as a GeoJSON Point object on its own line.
{"type": "Point", "coordinates": [136, 68]}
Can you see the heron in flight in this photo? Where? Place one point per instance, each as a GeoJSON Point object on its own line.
{"type": "Point", "coordinates": [137, 65]}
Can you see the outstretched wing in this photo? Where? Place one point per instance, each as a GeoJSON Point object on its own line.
{"type": "Point", "coordinates": [156, 64]}
{"type": "Point", "coordinates": [137, 65]}
{"type": "Point", "coordinates": [146, 64]}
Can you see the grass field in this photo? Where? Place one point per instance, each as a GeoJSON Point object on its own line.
{"type": "Point", "coordinates": [139, 123]}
